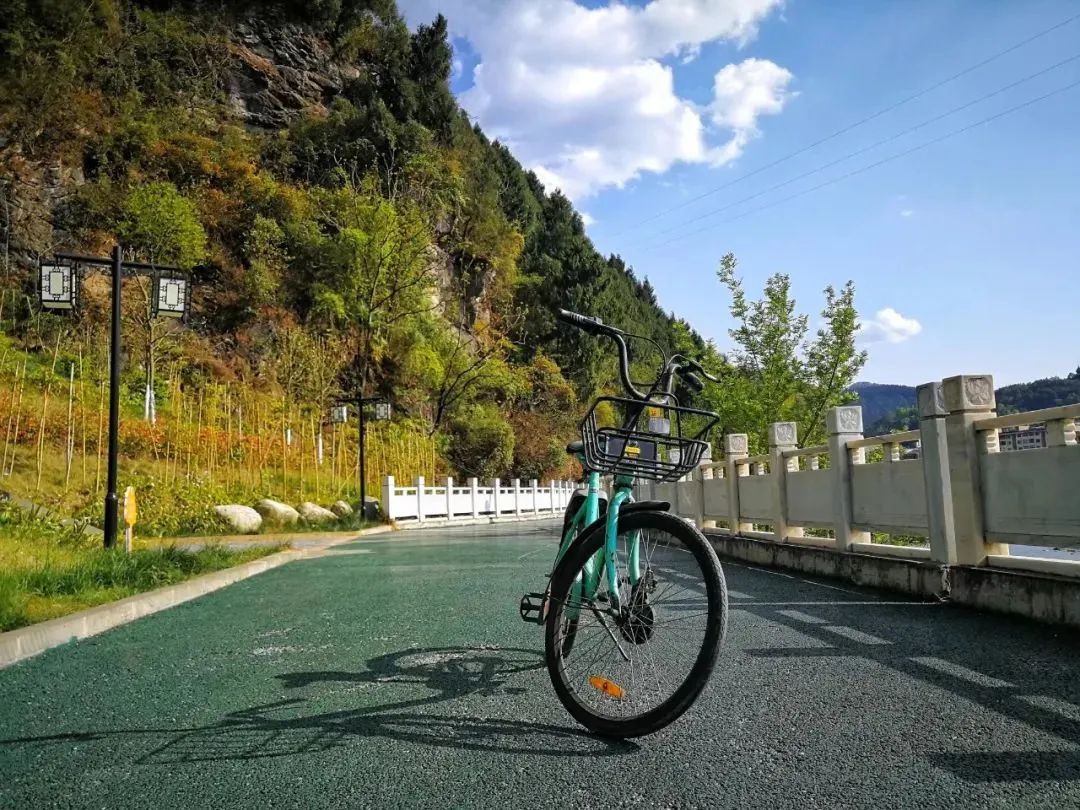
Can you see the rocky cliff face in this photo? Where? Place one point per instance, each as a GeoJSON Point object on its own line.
{"type": "Point", "coordinates": [275, 72]}
{"type": "Point", "coordinates": [281, 70]}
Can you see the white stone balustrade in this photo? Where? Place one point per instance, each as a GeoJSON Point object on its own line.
{"type": "Point", "coordinates": [451, 501]}
{"type": "Point", "coordinates": [959, 491]}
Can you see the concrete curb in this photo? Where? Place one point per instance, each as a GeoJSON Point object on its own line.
{"type": "Point", "coordinates": [483, 520]}
{"type": "Point", "coordinates": [26, 642]}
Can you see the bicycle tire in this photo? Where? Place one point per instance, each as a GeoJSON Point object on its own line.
{"type": "Point", "coordinates": [716, 625]}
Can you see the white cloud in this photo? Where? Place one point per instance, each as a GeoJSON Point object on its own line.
{"type": "Point", "coordinates": [889, 326]}
{"type": "Point", "coordinates": [907, 212]}
{"type": "Point", "coordinates": [588, 219]}
{"type": "Point", "coordinates": [583, 96]}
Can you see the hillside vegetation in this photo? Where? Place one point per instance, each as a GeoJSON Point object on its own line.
{"type": "Point", "coordinates": [348, 231]}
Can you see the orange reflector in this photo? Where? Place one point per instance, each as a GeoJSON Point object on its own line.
{"type": "Point", "coordinates": [609, 688]}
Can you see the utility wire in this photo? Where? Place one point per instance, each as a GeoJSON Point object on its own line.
{"type": "Point", "coordinates": [881, 162]}
{"type": "Point", "coordinates": [850, 127]}
{"type": "Point", "coordinates": [872, 146]}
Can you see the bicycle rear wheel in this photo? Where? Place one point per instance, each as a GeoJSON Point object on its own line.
{"type": "Point", "coordinates": [632, 671]}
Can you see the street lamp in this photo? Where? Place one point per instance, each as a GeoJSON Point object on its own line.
{"type": "Point", "coordinates": [58, 290]}
{"type": "Point", "coordinates": [170, 296]}
{"type": "Point", "coordinates": [382, 412]}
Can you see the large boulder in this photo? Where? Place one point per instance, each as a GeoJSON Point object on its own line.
{"type": "Point", "coordinates": [341, 509]}
{"type": "Point", "coordinates": [313, 514]}
{"type": "Point", "coordinates": [241, 519]}
{"type": "Point", "coordinates": [276, 513]}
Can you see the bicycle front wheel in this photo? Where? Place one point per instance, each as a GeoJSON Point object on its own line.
{"type": "Point", "coordinates": [640, 659]}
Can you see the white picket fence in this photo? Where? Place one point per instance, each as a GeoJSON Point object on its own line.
{"type": "Point", "coordinates": [450, 501]}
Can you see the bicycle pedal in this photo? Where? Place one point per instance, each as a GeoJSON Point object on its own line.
{"type": "Point", "coordinates": [532, 608]}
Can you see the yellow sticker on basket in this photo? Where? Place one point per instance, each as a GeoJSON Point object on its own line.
{"type": "Point", "coordinates": [633, 450]}
{"type": "Point", "coordinates": [609, 688]}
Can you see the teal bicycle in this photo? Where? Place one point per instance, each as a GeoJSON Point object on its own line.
{"type": "Point", "coordinates": [635, 609]}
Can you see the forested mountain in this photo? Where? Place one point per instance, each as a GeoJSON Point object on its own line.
{"type": "Point", "coordinates": [349, 229]}
{"type": "Point", "coordinates": [892, 407]}
{"type": "Point", "coordinates": [1046, 393]}
{"type": "Point", "coordinates": [880, 400]}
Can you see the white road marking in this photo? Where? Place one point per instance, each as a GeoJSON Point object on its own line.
{"type": "Point", "coordinates": [855, 635]}
{"type": "Point", "coordinates": [845, 602]}
{"type": "Point", "coordinates": [790, 576]}
{"type": "Point", "coordinates": [799, 616]}
{"type": "Point", "coordinates": [1053, 704]}
{"type": "Point", "coordinates": [958, 671]}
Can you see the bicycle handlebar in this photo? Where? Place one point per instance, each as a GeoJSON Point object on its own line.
{"type": "Point", "coordinates": [690, 371]}
{"type": "Point", "coordinates": [594, 326]}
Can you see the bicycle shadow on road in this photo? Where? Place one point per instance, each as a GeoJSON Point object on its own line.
{"type": "Point", "coordinates": [286, 728]}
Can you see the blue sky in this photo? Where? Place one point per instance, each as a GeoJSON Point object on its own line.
{"type": "Point", "coordinates": [965, 254]}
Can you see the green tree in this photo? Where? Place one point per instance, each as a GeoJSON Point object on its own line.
{"type": "Point", "coordinates": [163, 224]}
{"type": "Point", "coordinates": [481, 442]}
{"type": "Point", "coordinates": [778, 375]}
{"type": "Point", "coordinates": [373, 272]}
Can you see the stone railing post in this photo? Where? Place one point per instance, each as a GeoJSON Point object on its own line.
{"type": "Point", "coordinates": [388, 496]}
{"type": "Point", "coordinates": [420, 498]}
{"type": "Point", "coordinates": [517, 496]}
{"type": "Point", "coordinates": [934, 452]}
{"type": "Point", "coordinates": [533, 485]}
{"type": "Point", "coordinates": [449, 498]}
{"type": "Point", "coordinates": [495, 486]}
{"type": "Point", "coordinates": [968, 398]}
{"type": "Point", "coordinates": [844, 424]}
{"type": "Point", "coordinates": [705, 473]}
{"type": "Point", "coordinates": [782, 436]}
{"type": "Point", "coordinates": [736, 446]}
{"type": "Point", "coordinates": [474, 486]}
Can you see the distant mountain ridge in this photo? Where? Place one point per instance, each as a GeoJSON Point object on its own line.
{"type": "Point", "coordinates": [891, 407]}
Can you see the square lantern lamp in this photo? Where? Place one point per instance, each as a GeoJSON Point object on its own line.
{"type": "Point", "coordinates": [382, 411]}
{"type": "Point", "coordinates": [59, 283]}
{"type": "Point", "coordinates": [339, 414]}
{"type": "Point", "coordinates": [171, 296]}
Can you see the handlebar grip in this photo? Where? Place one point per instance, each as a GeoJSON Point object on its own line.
{"type": "Point", "coordinates": [693, 380]}
{"type": "Point", "coordinates": [594, 326]}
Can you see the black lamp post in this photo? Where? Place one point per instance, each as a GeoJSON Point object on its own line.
{"type": "Point", "coordinates": [382, 413]}
{"type": "Point", "coordinates": [59, 290]}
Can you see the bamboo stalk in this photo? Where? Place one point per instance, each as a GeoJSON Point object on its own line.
{"type": "Point", "coordinates": [100, 435]}
{"type": "Point", "coordinates": [82, 410]}
{"type": "Point", "coordinates": [44, 416]}
{"type": "Point", "coordinates": [11, 435]}
{"type": "Point", "coordinates": [70, 437]}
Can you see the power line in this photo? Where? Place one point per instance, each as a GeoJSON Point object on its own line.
{"type": "Point", "coordinates": [850, 127]}
{"type": "Point", "coordinates": [875, 145]}
{"type": "Point", "coordinates": [881, 162]}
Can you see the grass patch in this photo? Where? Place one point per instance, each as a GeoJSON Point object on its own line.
{"type": "Point", "coordinates": [47, 570]}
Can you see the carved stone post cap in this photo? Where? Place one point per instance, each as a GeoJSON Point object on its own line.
{"type": "Point", "coordinates": [969, 392]}
{"type": "Point", "coordinates": [844, 419]}
{"type": "Point", "coordinates": [736, 444]}
{"type": "Point", "coordinates": [931, 398]}
{"type": "Point", "coordinates": [783, 434]}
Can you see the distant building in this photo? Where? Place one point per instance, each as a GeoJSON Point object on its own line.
{"type": "Point", "coordinates": [1022, 438]}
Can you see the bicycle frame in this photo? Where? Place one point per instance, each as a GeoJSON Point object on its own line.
{"type": "Point", "coordinates": [588, 582]}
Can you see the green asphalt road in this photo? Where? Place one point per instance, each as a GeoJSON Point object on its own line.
{"type": "Point", "coordinates": [394, 672]}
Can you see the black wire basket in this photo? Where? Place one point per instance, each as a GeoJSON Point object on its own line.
{"type": "Point", "coordinates": [655, 441]}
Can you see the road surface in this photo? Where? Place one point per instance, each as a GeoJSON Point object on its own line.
{"type": "Point", "coordinates": [394, 672]}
